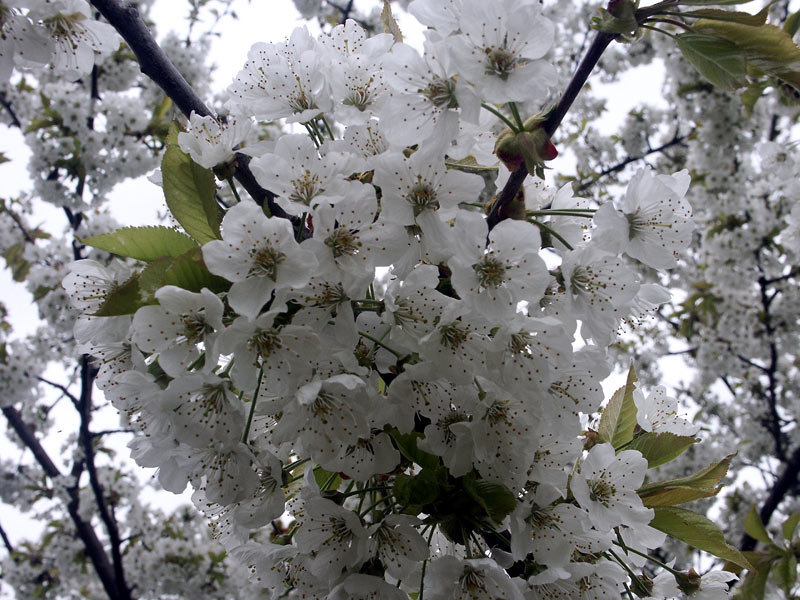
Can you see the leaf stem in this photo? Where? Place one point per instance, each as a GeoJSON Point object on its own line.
{"type": "Point", "coordinates": [552, 232]}
{"type": "Point", "coordinates": [551, 124]}
{"type": "Point", "coordinates": [233, 189]}
{"type": "Point", "coordinates": [253, 401]}
{"type": "Point", "coordinates": [500, 116]}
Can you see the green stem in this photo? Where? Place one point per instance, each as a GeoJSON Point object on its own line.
{"type": "Point", "coordinates": [253, 401]}
{"type": "Point", "coordinates": [381, 344]}
{"type": "Point", "coordinates": [500, 116]}
{"type": "Point", "coordinates": [515, 113]}
{"type": "Point", "coordinates": [552, 232]}
{"type": "Point", "coordinates": [377, 488]}
{"type": "Point", "coordinates": [424, 567]}
{"type": "Point", "coordinates": [311, 133]}
{"type": "Point", "coordinates": [328, 127]}
{"type": "Point", "coordinates": [625, 566]}
{"type": "Point", "coordinates": [329, 481]}
{"type": "Point", "coordinates": [369, 509]}
{"type": "Point", "coordinates": [655, 561]}
{"type": "Point", "coordinates": [233, 189]}
{"type": "Point", "coordinates": [295, 464]}
{"type": "Point", "coordinates": [562, 213]}
{"type": "Point", "coordinates": [300, 229]}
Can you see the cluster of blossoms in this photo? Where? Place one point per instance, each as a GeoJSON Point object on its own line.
{"type": "Point", "coordinates": [384, 395]}
{"type": "Point", "coordinates": [60, 33]}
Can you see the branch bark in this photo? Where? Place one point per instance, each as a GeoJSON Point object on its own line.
{"type": "Point", "coordinates": [551, 124]}
{"type": "Point", "coordinates": [156, 65]}
{"type": "Point", "coordinates": [92, 544]}
{"type": "Point", "coordinates": [783, 485]}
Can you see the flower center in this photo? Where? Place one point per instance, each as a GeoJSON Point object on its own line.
{"type": "Point", "coordinates": [453, 335]}
{"type": "Point", "coordinates": [306, 188]}
{"type": "Point", "coordinates": [298, 101]}
{"type": "Point", "coordinates": [195, 326]}
{"type": "Point", "coordinates": [441, 92]}
{"type": "Point", "coordinates": [265, 262]}
{"type": "Point", "coordinates": [422, 197]}
{"type": "Point", "coordinates": [490, 272]}
{"type": "Point", "coordinates": [500, 62]}
{"type": "Point", "coordinates": [343, 242]}
{"type": "Point", "coordinates": [265, 342]}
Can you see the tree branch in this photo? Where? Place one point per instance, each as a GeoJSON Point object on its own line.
{"type": "Point", "coordinates": [6, 103]}
{"type": "Point", "coordinates": [92, 545]}
{"type": "Point", "coordinates": [675, 141]}
{"type": "Point", "coordinates": [87, 442]}
{"type": "Point", "coordinates": [6, 541]}
{"type": "Point", "coordinates": [156, 65]}
{"type": "Point", "coordinates": [784, 484]}
{"type": "Point", "coordinates": [551, 124]}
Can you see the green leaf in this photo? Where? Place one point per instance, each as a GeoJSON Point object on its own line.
{"type": "Point", "coordinates": [497, 500]}
{"type": "Point", "coordinates": [720, 61]}
{"type": "Point", "coordinates": [407, 444]}
{"type": "Point", "coordinates": [190, 193]}
{"type": "Point", "coordinates": [705, 479]}
{"type": "Point", "coordinates": [785, 572]}
{"type": "Point", "coordinates": [766, 47]}
{"type": "Point", "coordinates": [660, 448]}
{"type": "Point", "coordinates": [143, 243]}
{"type": "Point", "coordinates": [789, 525]}
{"type": "Point", "coordinates": [417, 490]}
{"type": "Point", "coordinates": [4, 159]}
{"type": "Point", "coordinates": [189, 272]}
{"type": "Point", "coordinates": [755, 528]}
{"type": "Point", "coordinates": [618, 419]}
{"type": "Point", "coordinates": [15, 260]}
{"type": "Point", "coordinates": [678, 494]}
{"type": "Point", "coordinates": [697, 531]}
{"type": "Point", "coordinates": [712, 2]}
{"type": "Point", "coordinates": [124, 300]}
{"type": "Point", "coordinates": [753, 94]}
{"type": "Point", "coordinates": [754, 585]}
{"type": "Point", "coordinates": [389, 23]}
{"type": "Point", "coordinates": [716, 14]}
{"type": "Point", "coordinates": [792, 24]}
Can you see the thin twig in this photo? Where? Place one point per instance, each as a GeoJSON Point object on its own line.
{"type": "Point", "coordinates": [154, 63]}
{"type": "Point", "coordinates": [551, 124]}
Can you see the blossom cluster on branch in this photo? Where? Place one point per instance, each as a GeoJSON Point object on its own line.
{"type": "Point", "coordinates": [374, 390]}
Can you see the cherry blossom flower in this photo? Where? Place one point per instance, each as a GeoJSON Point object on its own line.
{"type": "Point", "coordinates": [182, 321]}
{"type": "Point", "coordinates": [658, 412]}
{"type": "Point", "coordinates": [210, 142]}
{"type": "Point", "coordinates": [282, 80]}
{"type": "Point", "coordinates": [654, 223]}
{"type": "Point", "coordinates": [259, 255]}
{"type": "Point", "coordinates": [79, 40]}
{"type": "Point", "coordinates": [500, 50]}
{"type": "Point", "coordinates": [302, 178]}
{"type": "Point", "coordinates": [606, 487]}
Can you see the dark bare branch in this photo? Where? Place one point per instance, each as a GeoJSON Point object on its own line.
{"type": "Point", "coordinates": [553, 121]}
{"type": "Point", "coordinates": [154, 63]}
{"type": "Point", "coordinates": [92, 545]}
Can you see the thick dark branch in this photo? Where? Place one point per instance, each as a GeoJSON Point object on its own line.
{"type": "Point", "coordinates": [6, 542]}
{"type": "Point", "coordinates": [92, 545]}
{"type": "Point", "coordinates": [783, 485]}
{"type": "Point", "coordinates": [590, 60]}
{"type": "Point", "coordinates": [87, 442]}
{"type": "Point", "coordinates": [675, 141]}
{"type": "Point", "coordinates": [156, 65]}
{"type": "Point", "coordinates": [6, 103]}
